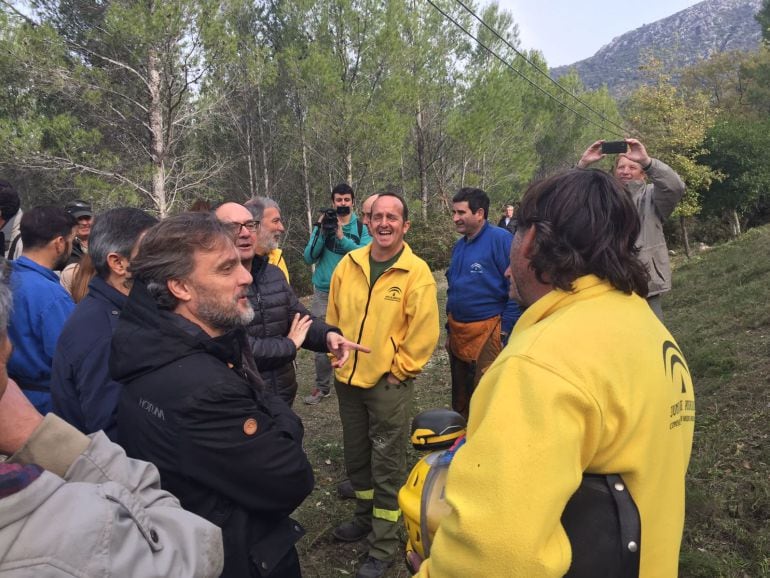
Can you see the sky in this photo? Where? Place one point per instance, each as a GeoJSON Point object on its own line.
{"type": "Point", "coordinates": [566, 31]}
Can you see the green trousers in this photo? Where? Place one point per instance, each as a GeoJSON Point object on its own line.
{"type": "Point", "coordinates": [375, 431]}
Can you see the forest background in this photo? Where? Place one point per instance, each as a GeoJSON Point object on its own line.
{"type": "Point", "coordinates": [156, 104]}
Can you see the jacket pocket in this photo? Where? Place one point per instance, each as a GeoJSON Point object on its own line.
{"type": "Point", "coordinates": [129, 505]}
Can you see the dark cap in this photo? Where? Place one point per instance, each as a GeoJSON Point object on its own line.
{"type": "Point", "coordinates": [79, 209]}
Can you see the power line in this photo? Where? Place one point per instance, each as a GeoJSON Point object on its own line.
{"type": "Point", "coordinates": [538, 69]}
{"type": "Point", "coordinates": [525, 78]}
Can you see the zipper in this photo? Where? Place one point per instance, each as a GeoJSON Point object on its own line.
{"type": "Point", "coordinates": [361, 329]}
{"type": "Point", "coordinates": [363, 321]}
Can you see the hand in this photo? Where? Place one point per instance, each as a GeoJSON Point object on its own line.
{"type": "Point", "coordinates": [591, 155]}
{"type": "Point", "coordinates": [341, 348]}
{"type": "Point", "coordinates": [299, 328]}
{"type": "Point", "coordinates": [392, 379]}
{"type": "Point", "coordinates": [339, 233]}
{"type": "Point", "coordinates": [637, 152]}
{"type": "Point", "coordinates": [18, 419]}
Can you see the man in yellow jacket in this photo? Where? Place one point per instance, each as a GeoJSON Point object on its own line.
{"type": "Point", "coordinates": [385, 296]}
{"type": "Point", "coordinates": [591, 387]}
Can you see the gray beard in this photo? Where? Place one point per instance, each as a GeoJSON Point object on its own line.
{"type": "Point", "coordinates": [224, 319]}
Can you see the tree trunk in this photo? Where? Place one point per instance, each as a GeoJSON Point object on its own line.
{"type": "Point", "coordinates": [421, 162]}
{"type": "Point", "coordinates": [685, 236]}
{"type": "Point", "coordinates": [249, 160]}
{"type": "Point", "coordinates": [305, 177]}
{"type": "Point", "coordinates": [348, 164]}
{"type": "Point", "coordinates": [735, 224]}
{"type": "Point", "coordinates": [157, 147]}
{"type": "Point", "coordinates": [262, 145]}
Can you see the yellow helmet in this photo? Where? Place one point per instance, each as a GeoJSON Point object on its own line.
{"type": "Point", "coordinates": [435, 429]}
{"type": "Point", "coordinates": [421, 499]}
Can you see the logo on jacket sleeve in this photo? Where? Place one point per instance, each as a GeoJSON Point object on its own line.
{"type": "Point", "coordinates": [683, 410]}
{"type": "Point", "coordinates": [393, 294]}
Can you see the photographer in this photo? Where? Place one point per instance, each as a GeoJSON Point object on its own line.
{"type": "Point", "coordinates": [655, 201]}
{"type": "Point", "coordinates": [337, 232]}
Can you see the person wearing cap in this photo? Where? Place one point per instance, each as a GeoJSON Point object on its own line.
{"type": "Point", "coordinates": [81, 210]}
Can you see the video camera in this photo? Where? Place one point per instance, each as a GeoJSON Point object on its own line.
{"type": "Point", "coordinates": [330, 219]}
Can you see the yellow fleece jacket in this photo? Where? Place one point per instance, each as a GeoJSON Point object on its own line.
{"type": "Point", "coordinates": [397, 318]}
{"type": "Point", "coordinates": [275, 257]}
{"type": "Point", "coordinates": [590, 381]}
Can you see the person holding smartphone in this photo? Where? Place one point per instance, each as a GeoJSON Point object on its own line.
{"type": "Point", "coordinates": [655, 200]}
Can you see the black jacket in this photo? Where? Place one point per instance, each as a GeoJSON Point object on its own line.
{"type": "Point", "coordinates": [511, 226]}
{"type": "Point", "coordinates": [275, 305]}
{"type": "Point", "coordinates": [229, 451]}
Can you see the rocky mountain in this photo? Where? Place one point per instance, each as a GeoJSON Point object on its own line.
{"type": "Point", "coordinates": [682, 39]}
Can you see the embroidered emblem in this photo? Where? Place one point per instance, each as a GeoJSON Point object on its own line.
{"type": "Point", "coordinates": [393, 294]}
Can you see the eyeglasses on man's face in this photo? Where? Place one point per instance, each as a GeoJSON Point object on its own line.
{"type": "Point", "coordinates": [235, 228]}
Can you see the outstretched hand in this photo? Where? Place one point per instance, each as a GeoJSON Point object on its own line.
{"type": "Point", "coordinates": [341, 348]}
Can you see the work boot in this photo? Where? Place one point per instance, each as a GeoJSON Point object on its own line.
{"type": "Point", "coordinates": [345, 490]}
{"type": "Point", "coordinates": [351, 531]}
{"type": "Point", "coordinates": [373, 568]}
{"type": "Point", "coordinates": [316, 396]}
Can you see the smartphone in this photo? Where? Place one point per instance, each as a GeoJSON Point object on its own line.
{"type": "Point", "coordinates": [614, 147]}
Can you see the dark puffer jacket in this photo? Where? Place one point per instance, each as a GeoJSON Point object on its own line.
{"type": "Point", "coordinates": [275, 305]}
{"type": "Point", "coordinates": [231, 452]}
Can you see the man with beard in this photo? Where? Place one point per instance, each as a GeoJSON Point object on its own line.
{"type": "Point", "coordinates": [281, 324]}
{"type": "Point", "coordinates": [40, 303]}
{"type": "Point", "coordinates": [655, 202]}
{"type": "Point", "coordinates": [194, 404]}
{"type": "Point", "coordinates": [270, 229]}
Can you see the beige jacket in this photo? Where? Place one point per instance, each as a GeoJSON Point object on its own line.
{"type": "Point", "coordinates": [656, 201]}
{"type": "Point", "coordinates": [96, 512]}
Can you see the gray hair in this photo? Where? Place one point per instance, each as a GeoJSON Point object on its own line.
{"type": "Point", "coordinates": [257, 206]}
{"type": "Point", "coordinates": [6, 296]}
{"type": "Point", "coordinates": [168, 250]}
{"type": "Point", "coordinates": [116, 231]}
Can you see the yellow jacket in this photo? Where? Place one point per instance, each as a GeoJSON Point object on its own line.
{"type": "Point", "coordinates": [590, 381]}
{"type": "Point", "coordinates": [275, 257]}
{"type": "Point", "coordinates": [397, 318]}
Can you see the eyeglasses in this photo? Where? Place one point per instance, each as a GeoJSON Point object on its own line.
{"type": "Point", "coordinates": [235, 227]}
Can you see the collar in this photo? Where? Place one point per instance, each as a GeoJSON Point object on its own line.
{"type": "Point", "coordinates": [361, 258]}
{"type": "Point", "coordinates": [26, 263]}
{"type": "Point", "coordinates": [100, 289]}
{"type": "Point", "coordinates": [583, 288]}
{"type": "Point", "coordinates": [478, 233]}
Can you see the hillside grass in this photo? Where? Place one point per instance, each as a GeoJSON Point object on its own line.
{"type": "Point", "coordinates": [719, 312]}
